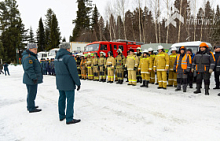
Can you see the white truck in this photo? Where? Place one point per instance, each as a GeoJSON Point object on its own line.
{"type": "Point", "coordinates": [42, 55]}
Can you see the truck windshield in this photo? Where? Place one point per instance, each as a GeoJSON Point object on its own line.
{"type": "Point", "coordinates": [92, 47]}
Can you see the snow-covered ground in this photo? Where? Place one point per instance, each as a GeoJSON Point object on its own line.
{"type": "Point", "coordinates": [109, 112]}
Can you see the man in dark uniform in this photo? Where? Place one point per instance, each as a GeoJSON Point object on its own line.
{"type": "Point", "coordinates": [6, 69]}
{"type": "Point", "coordinates": [217, 67]}
{"type": "Point", "coordinates": [190, 74]}
{"type": "Point", "coordinates": [66, 80]}
{"type": "Point", "coordinates": [138, 73]}
{"type": "Point", "coordinates": [204, 64]}
{"type": "Point", "coordinates": [32, 75]}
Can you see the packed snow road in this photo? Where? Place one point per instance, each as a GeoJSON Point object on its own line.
{"type": "Point", "coordinates": [109, 112]}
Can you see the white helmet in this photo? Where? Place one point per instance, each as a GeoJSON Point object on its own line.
{"type": "Point", "coordinates": [101, 52]}
{"type": "Point", "coordinates": [89, 53]}
{"type": "Point", "coordinates": [138, 48]}
{"type": "Point", "coordinates": [160, 47]}
{"type": "Point", "coordinates": [150, 49]}
{"type": "Point", "coordinates": [145, 51]}
{"type": "Point", "coordinates": [173, 48]}
{"type": "Point", "coordinates": [119, 50]}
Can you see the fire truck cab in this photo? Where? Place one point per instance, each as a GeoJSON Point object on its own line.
{"type": "Point", "coordinates": [105, 46]}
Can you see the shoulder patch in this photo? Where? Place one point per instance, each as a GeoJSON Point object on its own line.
{"type": "Point", "coordinates": [30, 62]}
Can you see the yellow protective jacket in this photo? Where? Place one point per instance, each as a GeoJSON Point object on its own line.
{"type": "Point", "coordinates": [110, 62]}
{"type": "Point", "coordinates": [120, 61]}
{"type": "Point", "coordinates": [131, 62]}
{"type": "Point", "coordinates": [151, 62]}
{"type": "Point", "coordinates": [161, 62]}
{"type": "Point", "coordinates": [95, 62]}
{"type": "Point", "coordinates": [83, 64]}
{"type": "Point", "coordinates": [144, 65]}
{"type": "Point", "coordinates": [89, 62]}
{"type": "Point", "coordinates": [172, 61]}
{"type": "Point", "coordinates": [102, 61]}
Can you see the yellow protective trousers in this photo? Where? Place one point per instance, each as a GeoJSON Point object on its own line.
{"type": "Point", "coordinates": [162, 78]}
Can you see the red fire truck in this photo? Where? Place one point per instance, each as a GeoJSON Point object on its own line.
{"type": "Point", "coordinates": [105, 46]}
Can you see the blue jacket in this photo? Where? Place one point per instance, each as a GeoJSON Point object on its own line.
{"type": "Point", "coordinates": [66, 71]}
{"type": "Point", "coordinates": [43, 65]}
{"type": "Point", "coordinates": [5, 66]}
{"type": "Point", "coordinates": [217, 55]}
{"type": "Point", "coordinates": [32, 68]}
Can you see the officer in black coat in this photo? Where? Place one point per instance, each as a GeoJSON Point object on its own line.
{"type": "Point", "coordinates": [204, 64]}
{"type": "Point", "coordinates": [217, 67]}
{"type": "Point", "coordinates": [33, 75]}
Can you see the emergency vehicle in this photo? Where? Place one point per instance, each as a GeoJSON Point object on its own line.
{"type": "Point", "coordinates": [106, 46]}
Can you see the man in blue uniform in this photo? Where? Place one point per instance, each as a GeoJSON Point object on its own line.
{"type": "Point", "coordinates": [66, 80]}
{"type": "Point", "coordinates": [32, 75]}
{"type": "Point", "coordinates": [6, 69]}
{"type": "Point", "coordinates": [216, 70]}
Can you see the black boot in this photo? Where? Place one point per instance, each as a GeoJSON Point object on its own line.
{"type": "Point", "coordinates": [140, 80]}
{"type": "Point", "coordinates": [184, 87]}
{"type": "Point", "coordinates": [206, 89]}
{"type": "Point", "coordinates": [198, 87]}
{"type": "Point", "coordinates": [178, 87]}
{"type": "Point", "coordinates": [144, 83]}
{"type": "Point", "coordinates": [74, 121]}
{"type": "Point", "coordinates": [121, 82]}
{"type": "Point", "coordinates": [217, 87]}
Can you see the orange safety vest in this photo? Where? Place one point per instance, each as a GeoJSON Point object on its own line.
{"type": "Point", "coordinates": [183, 62]}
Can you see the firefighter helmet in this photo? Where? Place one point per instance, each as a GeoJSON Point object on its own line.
{"type": "Point", "coordinates": [150, 49]}
{"type": "Point", "coordinates": [110, 53]}
{"type": "Point", "coordinates": [145, 51]}
{"type": "Point", "coordinates": [159, 47]}
{"type": "Point", "coordinates": [173, 48]}
{"type": "Point", "coordinates": [138, 48]}
{"type": "Point", "coordinates": [119, 51]}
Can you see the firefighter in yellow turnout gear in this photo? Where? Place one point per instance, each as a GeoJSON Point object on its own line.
{"type": "Point", "coordinates": [89, 66]}
{"type": "Point", "coordinates": [83, 67]}
{"type": "Point", "coordinates": [120, 63]}
{"type": "Point", "coordinates": [144, 68]}
{"type": "Point", "coordinates": [102, 62]}
{"type": "Point", "coordinates": [151, 65]}
{"type": "Point", "coordinates": [162, 65]}
{"type": "Point", "coordinates": [95, 67]}
{"type": "Point", "coordinates": [172, 79]}
{"type": "Point", "coordinates": [110, 64]}
{"type": "Point", "coordinates": [132, 64]}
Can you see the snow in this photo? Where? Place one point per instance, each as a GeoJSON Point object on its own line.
{"type": "Point", "coordinates": [109, 112]}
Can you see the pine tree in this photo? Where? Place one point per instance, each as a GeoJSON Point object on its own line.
{"type": "Point", "coordinates": [64, 39]}
{"type": "Point", "coordinates": [95, 27]}
{"type": "Point", "coordinates": [82, 21]}
{"type": "Point", "coordinates": [13, 31]}
{"type": "Point", "coordinates": [41, 36]}
{"type": "Point", "coordinates": [54, 33]}
{"type": "Point", "coordinates": [31, 36]}
{"type": "Point", "coordinates": [216, 32]}
{"type": "Point", "coordinates": [48, 24]}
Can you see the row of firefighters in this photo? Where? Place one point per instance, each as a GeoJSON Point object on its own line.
{"type": "Point", "coordinates": [141, 67]}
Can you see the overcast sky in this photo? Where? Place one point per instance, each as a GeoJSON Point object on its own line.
{"type": "Point", "coordinates": [65, 10]}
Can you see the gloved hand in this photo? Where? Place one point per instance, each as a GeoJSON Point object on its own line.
{"type": "Point", "coordinates": [185, 72]}
{"type": "Point", "coordinates": [210, 70]}
{"type": "Point", "coordinates": [135, 68]}
{"type": "Point", "coordinates": [35, 81]}
{"type": "Point", "coordinates": [165, 69]}
{"type": "Point", "coordinates": [192, 70]}
{"type": "Point", "coordinates": [78, 88]}
{"type": "Point", "coordinates": [174, 71]}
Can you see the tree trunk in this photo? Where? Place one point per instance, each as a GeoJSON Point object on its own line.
{"type": "Point", "coordinates": [181, 2]}
{"type": "Point", "coordinates": [168, 16]}
{"type": "Point", "coordinates": [140, 21]}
